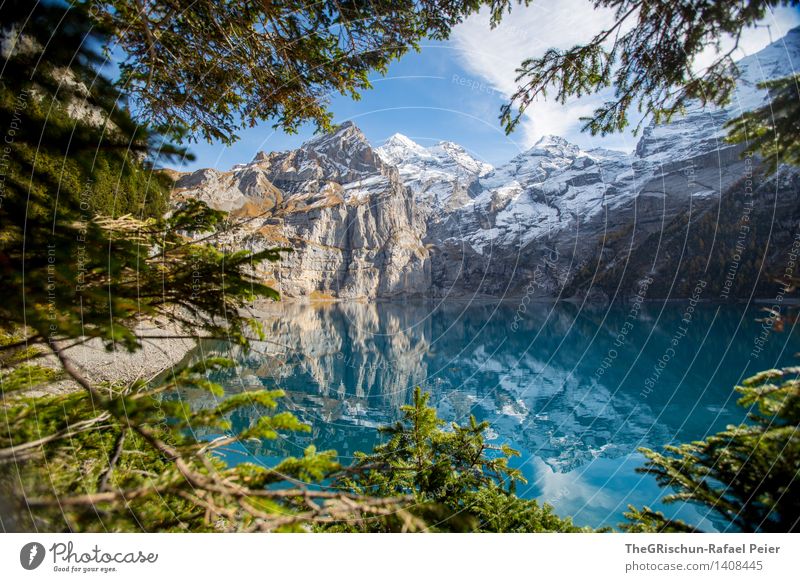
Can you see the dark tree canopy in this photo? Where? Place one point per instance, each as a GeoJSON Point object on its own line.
{"type": "Point", "coordinates": [209, 69]}
{"type": "Point", "coordinates": [647, 56]}
{"type": "Point", "coordinates": [86, 253]}
{"type": "Point", "coordinates": [85, 248]}
{"type": "Point", "coordinates": [774, 129]}
{"type": "Point", "coordinates": [216, 67]}
{"type": "Point", "coordinates": [747, 474]}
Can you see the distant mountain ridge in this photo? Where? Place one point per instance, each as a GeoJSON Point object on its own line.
{"type": "Point", "coordinates": [439, 175]}
{"type": "Point", "coordinates": [556, 221]}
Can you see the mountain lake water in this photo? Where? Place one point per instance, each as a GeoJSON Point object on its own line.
{"type": "Point", "coordinates": [576, 391]}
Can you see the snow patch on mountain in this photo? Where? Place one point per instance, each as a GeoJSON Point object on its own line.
{"type": "Point", "coordinates": [439, 176]}
{"type": "Point", "coordinates": [405, 218]}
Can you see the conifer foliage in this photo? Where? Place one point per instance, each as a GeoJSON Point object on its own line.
{"type": "Point", "coordinates": [748, 474]}
{"type": "Point", "coordinates": [90, 247]}
{"type": "Point", "coordinates": [214, 67]}
{"type": "Point", "coordinates": [457, 481]}
{"type": "Point", "coordinates": [773, 129]}
{"type": "Point", "coordinates": [86, 253]}
{"type": "Point", "coordinates": [646, 61]}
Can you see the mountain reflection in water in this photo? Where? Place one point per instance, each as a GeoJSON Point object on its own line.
{"type": "Point", "coordinates": [559, 383]}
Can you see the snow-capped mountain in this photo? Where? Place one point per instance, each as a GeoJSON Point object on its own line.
{"type": "Point", "coordinates": [537, 191]}
{"type": "Point", "coordinates": [439, 176]}
{"type": "Point", "coordinates": [555, 221]}
{"type": "Point", "coordinates": [351, 222]}
{"type": "Point", "coordinates": [701, 130]}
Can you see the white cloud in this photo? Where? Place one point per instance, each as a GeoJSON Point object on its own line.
{"type": "Point", "coordinates": [494, 55]}
{"type": "Point", "coordinates": [776, 25]}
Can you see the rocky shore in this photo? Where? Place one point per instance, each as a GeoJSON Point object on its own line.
{"type": "Point", "coordinates": [160, 351]}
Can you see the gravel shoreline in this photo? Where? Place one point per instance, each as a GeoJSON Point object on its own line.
{"type": "Point", "coordinates": [155, 356]}
{"type": "Point", "coordinates": [159, 352]}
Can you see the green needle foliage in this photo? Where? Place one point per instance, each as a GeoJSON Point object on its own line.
{"type": "Point", "coordinates": [123, 459]}
{"type": "Point", "coordinates": [86, 249]}
{"type": "Point", "coordinates": [90, 248]}
{"type": "Point", "coordinates": [647, 58]}
{"type": "Point", "coordinates": [748, 474]}
{"type": "Point", "coordinates": [87, 253]}
{"type": "Point", "coordinates": [215, 67]}
{"type": "Point", "coordinates": [457, 481]}
{"type": "Point", "coordinates": [774, 129]}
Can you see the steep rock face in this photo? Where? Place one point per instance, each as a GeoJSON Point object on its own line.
{"type": "Point", "coordinates": [529, 213]}
{"type": "Point", "coordinates": [348, 217]}
{"type": "Point", "coordinates": [548, 213]}
{"type": "Point", "coordinates": [440, 176]}
{"type": "Point", "coordinates": [554, 222]}
{"type": "Point", "coordinates": [544, 223]}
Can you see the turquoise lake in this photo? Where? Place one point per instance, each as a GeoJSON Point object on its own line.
{"type": "Point", "coordinates": [564, 385]}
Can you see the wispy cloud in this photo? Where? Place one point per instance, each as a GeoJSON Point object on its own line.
{"type": "Point", "coordinates": [494, 55]}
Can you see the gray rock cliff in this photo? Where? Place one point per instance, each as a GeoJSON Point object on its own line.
{"type": "Point", "coordinates": [554, 222]}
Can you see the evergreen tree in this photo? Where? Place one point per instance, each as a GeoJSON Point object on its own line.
{"type": "Point", "coordinates": [773, 130]}
{"type": "Point", "coordinates": [85, 254]}
{"type": "Point", "coordinates": [215, 67]}
{"type": "Point", "coordinates": [457, 481]}
{"type": "Point", "coordinates": [647, 56]}
{"type": "Point", "coordinates": [748, 474]}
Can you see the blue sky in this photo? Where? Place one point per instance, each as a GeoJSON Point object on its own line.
{"type": "Point", "coordinates": [422, 96]}
{"type": "Point", "coordinates": [453, 91]}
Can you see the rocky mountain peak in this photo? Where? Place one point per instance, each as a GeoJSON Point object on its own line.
{"type": "Point", "coordinates": [554, 145]}
{"type": "Point", "coordinates": [778, 59]}
{"type": "Point", "coordinates": [702, 129]}
{"type": "Point", "coordinates": [439, 175]}
{"type": "Point", "coordinates": [400, 140]}
{"type": "Point", "coordinates": [345, 155]}
{"type": "Point", "coordinates": [404, 218]}
{"type": "Point", "coordinates": [343, 143]}
{"type": "Point", "coordinates": [400, 149]}
{"type": "Point", "coordinates": [459, 157]}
